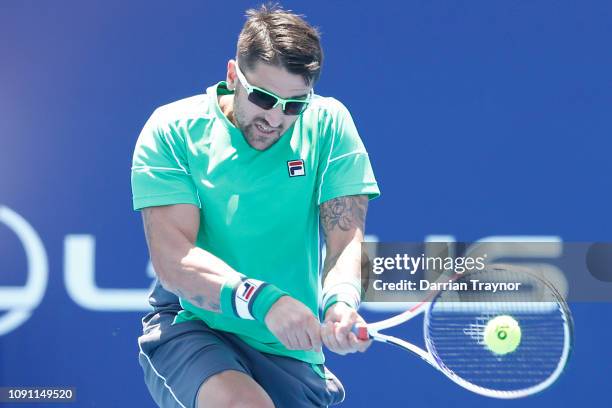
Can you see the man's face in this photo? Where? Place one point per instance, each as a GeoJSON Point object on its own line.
{"type": "Point", "coordinates": [262, 128]}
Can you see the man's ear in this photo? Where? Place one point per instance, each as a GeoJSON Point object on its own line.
{"type": "Point", "coordinates": [231, 78]}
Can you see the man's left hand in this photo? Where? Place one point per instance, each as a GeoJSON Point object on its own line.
{"type": "Point", "coordinates": [336, 331]}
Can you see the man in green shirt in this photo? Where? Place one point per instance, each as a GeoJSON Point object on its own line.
{"type": "Point", "coordinates": [234, 186]}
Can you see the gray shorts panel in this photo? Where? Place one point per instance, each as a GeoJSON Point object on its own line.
{"type": "Point", "coordinates": [177, 359]}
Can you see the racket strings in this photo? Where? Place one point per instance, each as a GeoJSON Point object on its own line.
{"type": "Point", "coordinates": [455, 335]}
{"type": "Point", "coordinates": [463, 352]}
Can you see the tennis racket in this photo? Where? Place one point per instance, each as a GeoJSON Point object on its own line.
{"type": "Point", "coordinates": [456, 326]}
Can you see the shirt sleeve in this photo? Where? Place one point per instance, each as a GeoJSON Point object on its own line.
{"type": "Point", "coordinates": [344, 168]}
{"type": "Point", "coordinates": [160, 169]}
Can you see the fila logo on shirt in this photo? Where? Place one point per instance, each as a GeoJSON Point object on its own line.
{"type": "Point", "coordinates": [296, 168]}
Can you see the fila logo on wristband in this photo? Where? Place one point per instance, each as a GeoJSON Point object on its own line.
{"type": "Point", "coordinates": [244, 296]}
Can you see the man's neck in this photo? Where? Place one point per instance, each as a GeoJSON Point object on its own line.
{"type": "Point", "coordinates": [226, 103]}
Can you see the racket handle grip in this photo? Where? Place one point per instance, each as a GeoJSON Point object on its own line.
{"type": "Point", "coordinates": [361, 332]}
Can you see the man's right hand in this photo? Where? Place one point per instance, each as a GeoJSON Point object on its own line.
{"type": "Point", "coordinates": [294, 325]}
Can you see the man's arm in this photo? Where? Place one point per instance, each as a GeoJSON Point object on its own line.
{"type": "Point", "coordinates": [199, 276]}
{"type": "Point", "coordinates": [343, 223]}
{"type": "Point", "coordinates": [184, 269]}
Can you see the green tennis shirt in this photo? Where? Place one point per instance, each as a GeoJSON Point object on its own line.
{"type": "Point", "coordinates": [259, 209]}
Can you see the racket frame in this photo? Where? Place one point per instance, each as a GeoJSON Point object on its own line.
{"type": "Point", "coordinates": [372, 331]}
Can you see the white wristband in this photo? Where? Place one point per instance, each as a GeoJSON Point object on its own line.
{"type": "Point", "coordinates": [244, 297]}
{"type": "Point", "coordinates": [342, 292]}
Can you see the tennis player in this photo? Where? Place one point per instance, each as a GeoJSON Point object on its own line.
{"type": "Point", "coordinates": [233, 186]}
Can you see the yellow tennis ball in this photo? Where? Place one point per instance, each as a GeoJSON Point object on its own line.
{"type": "Point", "coordinates": [502, 334]}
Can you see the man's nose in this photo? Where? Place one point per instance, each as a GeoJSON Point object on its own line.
{"type": "Point", "coordinates": [274, 116]}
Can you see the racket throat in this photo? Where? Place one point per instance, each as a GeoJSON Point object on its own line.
{"type": "Point", "coordinates": [426, 356]}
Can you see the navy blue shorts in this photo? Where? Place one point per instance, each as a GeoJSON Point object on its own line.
{"type": "Point", "coordinates": [177, 359]}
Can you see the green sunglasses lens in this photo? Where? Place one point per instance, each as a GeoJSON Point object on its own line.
{"type": "Point", "coordinates": [261, 99]}
{"type": "Point", "coordinates": [295, 108]}
{"type": "Point", "coordinates": [266, 101]}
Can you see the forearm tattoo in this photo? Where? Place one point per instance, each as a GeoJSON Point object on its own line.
{"type": "Point", "coordinates": [344, 213]}
{"type": "Point", "coordinates": [341, 214]}
{"type": "Point", "coordinates": [200, 301]}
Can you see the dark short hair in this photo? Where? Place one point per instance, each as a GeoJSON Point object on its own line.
{"type": "Point", "coordinates": [279, 37]}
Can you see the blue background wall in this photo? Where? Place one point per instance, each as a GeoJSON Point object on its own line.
{"type": "Point", "coordinates": [481, 118]}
